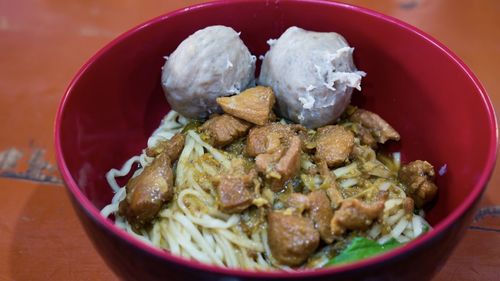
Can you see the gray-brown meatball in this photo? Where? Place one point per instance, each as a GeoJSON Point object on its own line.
{"type": "Point", "coordinates": [312, 75]}
{"type": "Point", "coordinates": [210, 63]}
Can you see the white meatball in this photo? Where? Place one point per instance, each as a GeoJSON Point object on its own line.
{"type": "Point", "coordinates": [210, 63]}
{"type": "Point", "coordinates": [312, 75]}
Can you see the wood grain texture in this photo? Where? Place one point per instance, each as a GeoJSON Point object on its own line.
{"type": "Point", "coordinates": [44, 42]}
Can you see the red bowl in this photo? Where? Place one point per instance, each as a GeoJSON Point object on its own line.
{"type": "Point", "coordinates": [431, 97]}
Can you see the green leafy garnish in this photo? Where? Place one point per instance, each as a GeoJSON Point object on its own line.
{"type": "Point", "coordinates": [361, 248]}
{"type": "Point", "coordinates": [425, 229]}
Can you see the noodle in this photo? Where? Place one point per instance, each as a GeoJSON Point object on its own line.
{"type": "Point", "coordinates": [192, 226]}
{"type": "Point", "coordinates": [114, 173]}
{"type": "Point", "coordinates": [207, 235]}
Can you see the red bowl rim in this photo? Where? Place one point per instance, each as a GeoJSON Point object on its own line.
{"type": "Point", "coordinates": [440, 228]}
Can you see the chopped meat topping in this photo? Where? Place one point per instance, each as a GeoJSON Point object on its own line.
{"type": "Point", "coordinates": [380, 129]}
{"type": "Point", "coordinates": [224, 129]}
{"type": "Point", "coordinates": [269, 138]}
{"type": "Point", "coordinates": [334, 144]}
{"type": "Point", "coordinates": [288, 166]}
{"type": "Point", "coordinates": [364, 135]}
{"type": "Point", "coordinates": [283, 178]}
{"type": "Point", "coordinates": [233, 192]}
{"type": "Point", "coordinates": [355, 215]}
{"type": "Point", "coordinates": [172, 147]}
{"type": "Point", "coordinates": [292, 239]}
{"type": "Point", "coordinates": [253, 105]}
{"type": "Point", "coordinates": [363, 153]}
{"type": "Point", "coordinates": [418, 177]}
{"type": "Point", "coordinates": [266, 162]}
{"type": "Point", "coordinates": [281, 165]}
{"type": "Point", "coordinates": [321, 213]}
{"type": "Point", "coordinates": [237, 187]}
{"type": "Point", "coordinates": [147, 192]}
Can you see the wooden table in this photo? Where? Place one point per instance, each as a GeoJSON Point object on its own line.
{"type": "Point", "coordinates": [42, 45]}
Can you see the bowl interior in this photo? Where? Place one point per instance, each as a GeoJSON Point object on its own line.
{"type": "Point", "coordinates": [440, 110]}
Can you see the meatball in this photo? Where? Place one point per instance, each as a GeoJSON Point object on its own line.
{"type": "Point", "coordinates": [312, 75]}
{"type": "Point", "coordinates": [210, 63]}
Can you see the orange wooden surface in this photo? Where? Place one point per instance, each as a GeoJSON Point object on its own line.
{"type": "Point", "coordinates": [44, 42]}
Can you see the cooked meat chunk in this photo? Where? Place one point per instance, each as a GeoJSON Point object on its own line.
{"type": "Point", "coordinates": [355, 215]}
{"type": "Point", "coordinates": [292, 239]}
{"type": "Point", "coordinates": [172, 147]}
{"type": "Point", "coordinates": [281, 165]}
{"type": "Point", "coordinates": [321, 214]}
{"type": "Point", "coordinates": [380, 129]}
{"type": "Point", "coordinates": [418, 177]}
{"type": "Point", "coordinates": [334, 144]}
{"type": "Point", "coordinates": [365, 136]}
{"type": "Point", "coordinates": [147, 192]}
{"type": "Point", "coordinates": [262, 140]}
{"type": "Point", "coordinates": [289, 165]}
{"type": "Point", "coordinates": [234, 194]}
{"type": "Point", "coordinates": [224, 129]}
{"type": "Point", "coordinates": [267, 161]}
{"type": "Point", "coordinates": [363, 153]}
{"type": "Point", "coordinates": [253, 105]}
{"type": "Point", "coordinates": [269, 138]}
{"type": "Point", "coordinates": [298, 202]}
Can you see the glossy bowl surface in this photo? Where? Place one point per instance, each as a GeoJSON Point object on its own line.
{"type": "Point", "coordinates": [414, 82]}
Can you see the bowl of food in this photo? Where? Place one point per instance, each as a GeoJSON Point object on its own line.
{"type": "Point", "coordinates": [262, 140]}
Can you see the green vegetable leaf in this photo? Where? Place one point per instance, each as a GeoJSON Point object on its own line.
{"type": "Point", "coordinates": [361, 248]}
{"type": "Point", "coordinates": [426, 228]}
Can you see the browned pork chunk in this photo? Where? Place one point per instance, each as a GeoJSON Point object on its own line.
{"type": "Point", "coordinates": [172, 147]}
{"type": "Point", "coordinates": [292, 239]}
{"type": "Point", "coordinates": [234, 192]}
{"type": "Point", "coordinates": [253, 105]}
{"type": "Point", "coordinates": [224, 129]}
{"type": "Point", "coordinates": [418, 177]}
{"type": "Point", "coordinates": [355, 215]}
{"type": "Point", "coordinates": [333, 144]}
{"type": "Point", "coordinates": [281, 165]}
{"type": "Point", "coordinates": [365, 135]}
{"type": "Point", "coordinates": [265, 162]}
{"type": "Point", "coordinates": [269, 138]}
{"type": "Point", "coordinates": [147, 192]}
{"type": "Point", "coordinates": [380, 129]}
{"type": "Point", "coordinates": [289, 165]}
{"type": "Point", "coordinates": [321, 213]}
